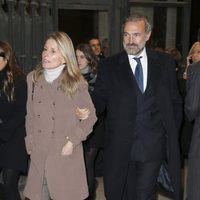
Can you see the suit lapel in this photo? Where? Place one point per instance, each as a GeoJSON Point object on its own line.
{"type": "Point", "coordinates": [154, 70]}
{"type": "Point", "coordinates": [125, 72]}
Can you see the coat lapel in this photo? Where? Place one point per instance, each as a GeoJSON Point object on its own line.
{"type": "Point", "coordinates": [154, 71]}
{"type": "Point", "coordinates": [125, 72]}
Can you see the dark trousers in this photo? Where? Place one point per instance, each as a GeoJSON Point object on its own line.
{"type": "Point", "coordinates": [10, 184]}
{"type": "Point", "coordinates": [90, 157]}
{"type": "Point", "coordinates": [141, 180]}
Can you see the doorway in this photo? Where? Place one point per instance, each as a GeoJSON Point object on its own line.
{"type": "Point", "coordinates": [80, 25]}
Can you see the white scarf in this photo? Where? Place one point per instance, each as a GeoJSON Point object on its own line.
{"type": "Point", "coordinates": [51, 74]}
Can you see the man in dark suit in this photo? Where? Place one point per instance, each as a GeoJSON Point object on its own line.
{"type": "Point", "coordinates": [137, 89]}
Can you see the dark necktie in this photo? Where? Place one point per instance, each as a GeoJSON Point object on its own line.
{"type": "Point", "coordinates": [139, 73]}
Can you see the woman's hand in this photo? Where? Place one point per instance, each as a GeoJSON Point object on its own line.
{"type": "Point", "coordinates": [67, 149]}
{"type": "Point", "coordinates": [189, 60]}
{"type": "Point", "coordinates": [82, 113]}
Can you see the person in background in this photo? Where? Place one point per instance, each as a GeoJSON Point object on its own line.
{"type": "Point", "coordinates": [138, 90]}
{"type": "Point", "coordinates": [105, 47]}
{"type": "Point", "coordinates": [193, 56]}
{"type": "Point", "coordinates": [56, 92]}
{"type": "Point", "coordinates": [185, 126]}
{"type": "Point", "coordinates": [192, 107]}
{"type": "Point", "coordinates": [13, 95]}
{"type": "Point", "coordinates": [95, 44]}
{"type": "Point", "coordinates": [192, 110]}
{"type": "Point", "coordinates": [175, 53]}
{"type": "Point", "coordinates": [87, 63]}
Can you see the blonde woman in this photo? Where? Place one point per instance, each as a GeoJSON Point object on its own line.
{"type": "Point", "coordinates": [192, 107]}
{"type": "Point", "coordinates": [56, 89]}
{"type": "Point", "coordinates": [194, 53]}
{"type": "Point", "coordinates": [193, 56]}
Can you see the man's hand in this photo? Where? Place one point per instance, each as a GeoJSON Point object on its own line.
{"type": "Point", "coordinates": [82, 113]}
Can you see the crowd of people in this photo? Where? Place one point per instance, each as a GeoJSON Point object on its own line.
{"type": "Point", "coordinates": [78, 101]}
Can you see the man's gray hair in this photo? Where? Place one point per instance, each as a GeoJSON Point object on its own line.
{"type": "Point", "coordinates": [139, 17]}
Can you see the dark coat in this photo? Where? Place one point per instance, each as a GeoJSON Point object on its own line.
{"type": "Point", "coordinates": [12, 127]}
{"type": "Point", "coordinates": [192, 108]}
{"type": "Point", "coordinates": [115, 92]}
{"type": "Point", "coordinates": [95, 139]}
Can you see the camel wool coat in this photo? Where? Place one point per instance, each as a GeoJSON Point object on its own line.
{"type": "Point", "coordinates": [50, 119]}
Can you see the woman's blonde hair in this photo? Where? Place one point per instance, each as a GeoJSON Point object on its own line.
{"type": "Point", "coordinates": [192, 48]}
{"type": "Point", "coordinates": [71, 72]}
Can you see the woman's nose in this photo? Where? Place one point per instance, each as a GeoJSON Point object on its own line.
{"type": "Point", "coordinates": [45, 54]}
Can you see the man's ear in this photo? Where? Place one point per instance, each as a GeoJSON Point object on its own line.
{"type": "Point", "coordinates": [148, 36]}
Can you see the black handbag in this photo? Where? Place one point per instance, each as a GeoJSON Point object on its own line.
{"type": "Point", "coordinates": [164, 185]}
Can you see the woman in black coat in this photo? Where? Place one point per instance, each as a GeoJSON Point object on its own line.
{"type": "Point", "coordinates": [13, 157]}
{"type": "Point", "coordinates": [87, 62]}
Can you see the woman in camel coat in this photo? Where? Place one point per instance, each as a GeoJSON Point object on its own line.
{"type": "Point", "coordinates": [54, 138]}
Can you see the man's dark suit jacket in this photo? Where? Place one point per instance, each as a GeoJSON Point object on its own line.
{"type": "Point", "coordinates": [115, 92]}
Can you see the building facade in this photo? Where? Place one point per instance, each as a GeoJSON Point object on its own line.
{"type": "Point", "coordinates": [25, 23]}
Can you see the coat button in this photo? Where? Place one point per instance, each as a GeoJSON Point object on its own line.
{"type": "Point", "coordinates": [53, 118]}
{"type": "Point", "coordinates": [54, 103]}
{"type": "Point", "coordinates": [52, 134]}
{"type": "Point", "coordinates": [39, 131]}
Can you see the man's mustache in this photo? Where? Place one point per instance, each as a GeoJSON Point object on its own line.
{"type": "Point", "coordinates": [131, 45]}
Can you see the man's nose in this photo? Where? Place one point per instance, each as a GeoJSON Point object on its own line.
{"type": "Point", "coordinates": [131, 39]}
